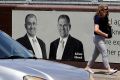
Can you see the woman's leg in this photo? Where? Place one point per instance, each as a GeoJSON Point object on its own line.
{"type": "Point", "coordinates": [94, 57]}
{"type": "Point", "coordinates": [95, 53]}
{"type": "Point", "coordinates": [103, 50]}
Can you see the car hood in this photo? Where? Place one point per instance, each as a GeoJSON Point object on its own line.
{"type": "Point", "coordinates": [46, 69]}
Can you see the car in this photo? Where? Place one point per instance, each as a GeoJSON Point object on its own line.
{"type": "Point", "coordinates": [18, 63]}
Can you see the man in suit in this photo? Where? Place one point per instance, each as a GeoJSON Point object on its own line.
{"type": "Point", "coordinates": [66, 47]}
{"type": "Point", "coordinates": [30, 40]}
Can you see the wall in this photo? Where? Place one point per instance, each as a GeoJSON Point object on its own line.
{"type": "Point", "coordinates": [81, 21]}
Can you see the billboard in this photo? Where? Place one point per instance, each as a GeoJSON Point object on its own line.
{"type": "Point", "coordinates": [82, 28]}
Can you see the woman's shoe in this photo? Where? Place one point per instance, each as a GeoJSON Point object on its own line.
{"type": "Point", "coordinates": [112, 71]}
{"type": "Point", "coordinates": [89, 70]}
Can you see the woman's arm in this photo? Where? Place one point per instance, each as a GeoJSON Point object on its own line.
{"type": "Point", "coordinates": [98, 31]}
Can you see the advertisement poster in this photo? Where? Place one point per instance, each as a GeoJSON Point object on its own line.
{"type": "Point", "coordinates": [82, 28]}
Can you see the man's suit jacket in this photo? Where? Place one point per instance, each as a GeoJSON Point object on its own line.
{"type": "Point", "coordinates": [73, 50]}
{"type": "Point", "coordinates": [26, 43]}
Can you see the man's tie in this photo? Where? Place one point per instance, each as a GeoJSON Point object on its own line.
{"type": "Point", "coordinates": [60, 50]}
{"type": "Point", "coordinates": [36, 48]}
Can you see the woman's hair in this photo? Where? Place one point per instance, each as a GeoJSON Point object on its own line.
{"type": "Point", "coordinates": [101, 10]}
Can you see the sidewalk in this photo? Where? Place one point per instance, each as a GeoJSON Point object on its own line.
{"type": "Point", "coordinates": [101, 75]}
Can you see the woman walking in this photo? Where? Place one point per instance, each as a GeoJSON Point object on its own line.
{"type": "Point", "coordinates": [101, 23]}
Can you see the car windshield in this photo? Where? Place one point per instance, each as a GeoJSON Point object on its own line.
{"type": "Point", "coordinates": [11, 49]}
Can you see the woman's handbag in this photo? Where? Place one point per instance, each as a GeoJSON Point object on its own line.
{"type": "Point", "coordinates": [109, 31]}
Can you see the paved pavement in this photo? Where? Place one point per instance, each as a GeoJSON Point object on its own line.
{"type": "Point", "coordinates": [102, 75]}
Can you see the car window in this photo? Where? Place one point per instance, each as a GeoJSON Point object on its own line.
{"type": "Point", "coordinates": [10, 47]}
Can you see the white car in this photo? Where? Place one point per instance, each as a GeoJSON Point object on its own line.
{"type": "Point", "coordinates": [17, 63]}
